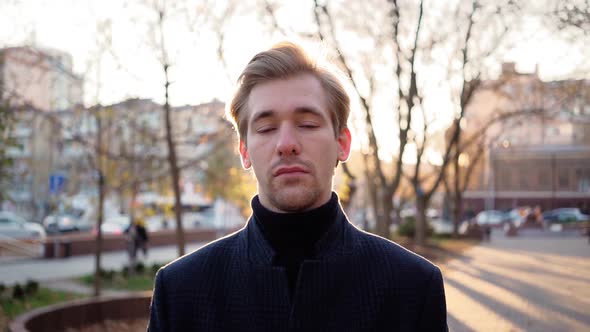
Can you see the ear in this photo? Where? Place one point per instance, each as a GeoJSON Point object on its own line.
{"type": "Point", "coordinates": [344, 143]}
{"type": "Point", "coordinates": [244, 155]}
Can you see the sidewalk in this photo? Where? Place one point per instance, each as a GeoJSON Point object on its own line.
{"type": "Point", "coordinates": [527, 283]}
{"type": "Point", "coordinates": [52, 270]}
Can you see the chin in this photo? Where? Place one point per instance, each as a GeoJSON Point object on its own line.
{"type": "Point", "coordinates": [295, 199]}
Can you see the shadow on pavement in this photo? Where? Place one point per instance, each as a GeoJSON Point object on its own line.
{"type": "Point", "coordinates": [502, 309]}
{"type": "Point", "coordinates": [535, 270]}
{"type": "Point", "coordinates": [541, 297]}
{"type": "Point", "coordinates": [457, 326]}
{"type": "Point", "coordinates": [542, 242]}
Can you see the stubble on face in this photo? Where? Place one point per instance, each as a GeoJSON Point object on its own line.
{"type": "Point", "coordinates": [294, 194]}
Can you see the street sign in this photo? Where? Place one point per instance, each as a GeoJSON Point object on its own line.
{"type": "Point", "coordinates": [57, 183]}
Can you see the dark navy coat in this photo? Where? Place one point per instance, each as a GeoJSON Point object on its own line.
{"type": "Point", "coordinates": [358, 282]}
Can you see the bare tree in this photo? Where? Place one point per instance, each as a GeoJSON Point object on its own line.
{"type": "Point", "coordinates": [100, 181]}
{"type": "Point", "coordinates": [571, 15]}
{"type": "Point", "coordinates": [411, 35]}
{"type": "Point", "coordinates": [167, 12]}
{"type": "Point", "coordinates": [382, 186]}
{"type": "Point", "coordinates": [172, 159]}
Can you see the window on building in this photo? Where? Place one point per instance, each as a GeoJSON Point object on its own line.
{"type": "Point", "coordinates": [552, 131]}
{"type": "Point", "coordinates": [583, 179]}
{"type": "Point", "coordinates": [543, 179]}
{"type": "Point", "coordinates": [523, 180]}
{"type": "Point", "coordinates": [505, 179]}
{"type": "Point", "coordinates": [563, 179]}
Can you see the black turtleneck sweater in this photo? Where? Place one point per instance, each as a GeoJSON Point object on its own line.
{"type": "Point", "coordinates": [293, 236]}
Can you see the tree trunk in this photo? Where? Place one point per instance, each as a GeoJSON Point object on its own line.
{"type": "Point", "coordinates": [97, 267]}
{"type": "Point", "coordinates": [457, 192]}
{"type": "Point", "coordinates": [382, 229]}
{"type": "Point", "coordinates": [174, 170]}
{"type": "Point", "coordinates": [420, 234]}
{"type": "Point", "coordinates": [387, 204]}
{"type": "Point", "coordinates": [457, 203]}
{"type": "Point", "coordinates": [101, 195]}
{"type": "Point", "coordinates": [371, 194]}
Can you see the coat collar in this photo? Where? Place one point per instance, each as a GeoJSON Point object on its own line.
{"type": "Point", "coordinates": [337, 241]}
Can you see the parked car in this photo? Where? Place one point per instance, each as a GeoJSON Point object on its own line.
{"type": "Point", "coordinates": [561, 216]}
{"type": "Point", "coordinates": [114, 224]}
{"type": "Point", "coordinates": [65, 222]}
{"type": "Point", "coordinates": [493, 218]}
{"type": "Point", "coordinates": [15, 227]}
{"type": "Point", "coordinates": [190, 220]}
{"type": "Point", "coordinates": [441, 226]}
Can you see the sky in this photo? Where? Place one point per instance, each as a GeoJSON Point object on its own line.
{"type": "Point", "coordinates": [133, 71]}
{"type": "Point", "coordinates": [130, 68]}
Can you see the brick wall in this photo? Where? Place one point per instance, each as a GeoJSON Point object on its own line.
{"type": "Point", "coordinates": [84, 244]}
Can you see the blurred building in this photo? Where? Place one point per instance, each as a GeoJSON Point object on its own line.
{"type": "Point", "coordinates": [41, 78]}
{"type": "Point", "coordinates": [36, 83]}
{"type": "Point", "coordinates": [534, 140]}
{"type": "Point", "coordinates": [134, 139]}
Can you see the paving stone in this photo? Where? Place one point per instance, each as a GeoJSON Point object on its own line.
{"type": "Point", "coordinates": [535, 282]}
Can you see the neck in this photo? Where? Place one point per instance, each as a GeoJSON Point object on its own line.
{"type": "Point", "coordinates": [266, 203]}
{"type": "Point", "coordinates": [295, 233]}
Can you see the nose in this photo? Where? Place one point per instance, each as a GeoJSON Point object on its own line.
{"type": "Point", "coordinates": [288, 142]}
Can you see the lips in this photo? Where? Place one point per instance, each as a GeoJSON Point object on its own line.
{"type": "Point", "coordinates": [289, 170]}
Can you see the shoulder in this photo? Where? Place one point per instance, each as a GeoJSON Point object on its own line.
{"type": "Point", "coordinates": [387, 253]}
{"type": "Point", "coordinates": [212, 257]}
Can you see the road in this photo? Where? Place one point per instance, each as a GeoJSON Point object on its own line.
{"type": "Point", "coordinates": [535, 282]}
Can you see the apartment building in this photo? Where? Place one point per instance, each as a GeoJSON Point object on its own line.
{"type": "Point", "coordinates": [36, 83]}
{"type": "Point", "coordinates": [536, 143]}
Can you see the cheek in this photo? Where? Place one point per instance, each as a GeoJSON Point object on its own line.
{"type": "Point", "coordinates": [258, 159]}
{"type": "Point", "coordinates": [327, 155]}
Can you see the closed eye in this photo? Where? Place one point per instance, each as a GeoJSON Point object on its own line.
{"type": "Point", "coordinates": [265, 130]}
{"type": "Point", "coordinates": [308, 125]}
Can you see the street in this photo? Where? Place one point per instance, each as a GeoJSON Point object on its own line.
{"type": "Point", "coordinates": [534, 282]}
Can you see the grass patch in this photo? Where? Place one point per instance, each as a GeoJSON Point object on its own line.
{"type": "Point", "coordinates": [141, 279]}
{"type": "Point", "coordinates": [438, 249]}
{"type": "Point", "coordinates": [11, 307]}
{"type": "Point", "coordinates": [119, 282]}
{"type": "Point", "coordinates": [453, 245]}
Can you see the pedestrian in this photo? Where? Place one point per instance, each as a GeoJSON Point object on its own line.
{"type": "Point", "coordinates": [298, 264]}
{"type": "Point", "coordinates": [487, 229]}
{"type": "Point", "coordinates": [137, 236]}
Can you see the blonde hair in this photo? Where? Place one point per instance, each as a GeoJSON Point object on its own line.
{"type": "Point", "coordinates": [282, 61]}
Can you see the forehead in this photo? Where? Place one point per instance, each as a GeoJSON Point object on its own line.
{"type": "Point", "coordinates": [283, 97]}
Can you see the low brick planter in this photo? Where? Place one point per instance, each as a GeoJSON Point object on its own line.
{"type": "Point", "coordinates": [80, 313]}
{"type": "Point", "coordinates": [85, 243]}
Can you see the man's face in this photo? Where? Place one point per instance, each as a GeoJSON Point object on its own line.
{"type": "Point", "coordinates": [291, 143]}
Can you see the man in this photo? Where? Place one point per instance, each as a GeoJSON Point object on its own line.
{"type": "Point", "coordinates": [298, 264]}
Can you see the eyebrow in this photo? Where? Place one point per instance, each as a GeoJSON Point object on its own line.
{"type": "Point", "coordinates": [298, 110]}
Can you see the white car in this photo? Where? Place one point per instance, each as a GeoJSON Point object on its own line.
{"type": "Point", "coordinates": [441, 226]}
{"type": "Point", "coordinates": [115, 224]}
{"type": "Point", "coordinates": [13, 226]}
{"type": "Point", "coordinates": [61, 223]}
